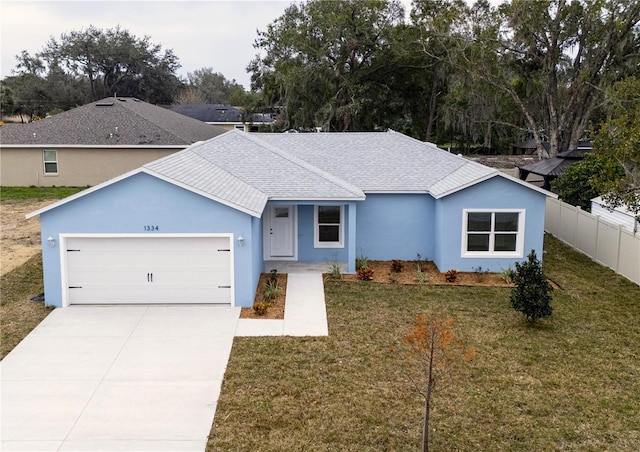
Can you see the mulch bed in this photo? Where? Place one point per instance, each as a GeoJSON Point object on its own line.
{"type": "Point", "coordinates": [383, 273]}
{"type": "Point", "coordinates": [276, 310]}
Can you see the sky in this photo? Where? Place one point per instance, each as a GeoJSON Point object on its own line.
{"type": "Point", "coordinates": [206, 33]}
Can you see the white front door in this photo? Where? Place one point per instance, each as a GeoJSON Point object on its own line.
{"type": "Point", "coordinates": [281, 232]}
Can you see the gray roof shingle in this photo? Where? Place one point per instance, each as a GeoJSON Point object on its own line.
{"type": "Point", "coordinates": [246, 170]}
{"type": "Point", "coordinates": [112, 122]}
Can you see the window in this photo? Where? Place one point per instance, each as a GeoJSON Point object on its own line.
{"type": "Point", "coordinates": [50, 159]}
{"type": "Point", "coordinates": [329, 227]}
{"type": "Point", "coordinates": [493, 233]}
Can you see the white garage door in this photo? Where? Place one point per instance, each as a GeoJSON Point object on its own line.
{"type": "Point", "coordinates": [103, 270]}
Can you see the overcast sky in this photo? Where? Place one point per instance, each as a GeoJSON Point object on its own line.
{"type": "Point", "coordinates": [207, 33]}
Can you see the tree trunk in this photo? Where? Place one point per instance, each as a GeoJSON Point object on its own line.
{"type": "Point", "coordinates": [432, 107]}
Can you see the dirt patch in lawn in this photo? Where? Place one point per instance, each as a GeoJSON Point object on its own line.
{"type": "Point", "coordinates": [20, 237]}
{"type": "Point", "coordinates": [276, 309]}
{"type": "Point", "coordinates": [387, 272]}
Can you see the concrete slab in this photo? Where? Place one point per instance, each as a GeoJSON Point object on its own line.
{"type": "Point", "coordinates": [30, 446]}
{"type": "Point", "coordinates": [134, 378]}
{"type": "Point", "coordinates": [117, 378]}
{"type": "Point", "coordinates": [42, 410]}
{"type": "Point", "coordinates": [143, 410]}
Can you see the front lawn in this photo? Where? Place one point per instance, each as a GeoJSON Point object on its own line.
{"type": "Point", "coordinates": [572, 382]}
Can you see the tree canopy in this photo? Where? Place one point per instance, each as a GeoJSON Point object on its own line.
{"type": "Point", "coordinates": [89, 64]}
{"type": "Point", "coordinates": [325, 63]}
{"type": "Point", "coordinates": [619, 140]}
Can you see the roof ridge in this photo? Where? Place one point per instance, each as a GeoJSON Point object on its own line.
{"type": "Point", "coordinates": [302, 163]}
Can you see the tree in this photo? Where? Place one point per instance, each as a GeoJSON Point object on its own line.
{"type": "Point", "coordinates": [619, 141]}
{"type": "Point", "coordinates": [213, 87]}
{"type": "Point", "coordinates": [532, 292]}
{"type": "Point", "coordinates": [433, 353]}
{"type": "Point", "coordinates": [578, 184]}
{"type": "Point", "coordinates": [115, 62]}
{"type": "Point", "coordinates": [553, 58]}
{"type": "Point", "coordinates": [324, 63]}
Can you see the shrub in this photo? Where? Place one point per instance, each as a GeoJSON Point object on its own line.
{"type": "Point", "coordinates": [274, 276]}
{"type": "Point", "coordinates": [396, 266]}
{"type": "Point", "coordinates": [421, 277]}
{"type": "Point", "coordinates": [451, 275]}
{"type": "Point", "coordinates": [335, 271]}
{"type": "Point", "coordinates": [532, 293]}
{"type": "Point", "coordinates": [270, 290]}
{"type": "Point", "coordinates": [365, 274]}
{"type": "Point", "coordinates": [362, 262]}
{"type": "Point", "coordinates": [507, 275]}
{"type": "Point", "coordinates": [481, 273]}
{"type": "Point", "coordinates": [261, 307]}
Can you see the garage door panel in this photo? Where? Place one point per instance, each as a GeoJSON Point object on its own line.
{"type": "Point", "coordinates": [148, 270]}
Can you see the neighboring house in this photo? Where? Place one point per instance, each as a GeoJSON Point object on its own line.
{"type": "Point", "coordinates": [225, 116]}
{"type": "Point", "coordinates": [552, 168]}
{"type": "Point", "coordinates": [620, 215]}
{"type": "Point", "coordinates": [90, 144]}
{"type": "Point", "coordinates": [199, 226]}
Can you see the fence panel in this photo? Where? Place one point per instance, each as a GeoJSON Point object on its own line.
{"type": "Point", "coordinates": [606, 243]}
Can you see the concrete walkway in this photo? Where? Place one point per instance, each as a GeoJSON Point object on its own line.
{"type": "Point", "coordinates": [133, 378]}
{"type": "Point", "coordinates": [305, 313]}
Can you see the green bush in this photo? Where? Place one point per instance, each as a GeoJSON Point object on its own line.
{"type": "Point", "coordinates": [532, 293]}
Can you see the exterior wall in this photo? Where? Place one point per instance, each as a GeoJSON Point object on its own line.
{"type": "Point", "coordinates": [495, 193]}
{"type": "Point", "coordinates": [306, 251]}
{"type": "Point", "coordinates": [131, 204]}
{"type": "Point", "coordinates": [77, 167]}
{"type": "Point", "coordinates": [396, 226]}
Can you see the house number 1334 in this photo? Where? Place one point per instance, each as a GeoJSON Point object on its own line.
{"type": "Point", "coordinates": [151, 228]}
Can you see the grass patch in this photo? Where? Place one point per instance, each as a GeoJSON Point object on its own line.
{"type": "Point", "coordinates": [570, 382]}
{"type": "Point", "coordinates": [37, 193]}
{"type": "Point", "coordinates": [19, 314]}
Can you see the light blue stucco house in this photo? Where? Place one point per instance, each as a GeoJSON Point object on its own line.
{"type": "Point", "coordinates": [199, 225]}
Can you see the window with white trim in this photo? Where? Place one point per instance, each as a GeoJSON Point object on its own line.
{"type": "Point", "coordinates": [329, 227]}
{"type": "Point", "coordinates": [50, 161]}
{"type": "Point", "coordinates": [495, 233]}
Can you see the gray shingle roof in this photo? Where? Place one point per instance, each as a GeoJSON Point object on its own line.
{"type": "Point", "coordinates": [246, 170]}
{"type": "Point", "coordinates": [217, 113]}
{"type": "Point", "coordinates": [112, 122]}
{"type": "Point", "coordinates": [254, 172]}
{"type": "Point", "coordinates": [382, 162]}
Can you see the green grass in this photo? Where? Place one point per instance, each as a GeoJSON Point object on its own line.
{"type": "Point", "coordinates": [570, 382]}
{"type": "Point", "coordinates": [37, 193]}
{"type": "Point", "coordinates": [19, 315]}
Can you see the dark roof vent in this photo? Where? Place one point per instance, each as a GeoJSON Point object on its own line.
{"type": "Point", "coordinates": [121, 99]}
{"type": "Point", "coordinates": [104, 104]}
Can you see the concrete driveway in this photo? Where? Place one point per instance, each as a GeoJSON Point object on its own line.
{"type": "Point", "coordinates": [117, 378]}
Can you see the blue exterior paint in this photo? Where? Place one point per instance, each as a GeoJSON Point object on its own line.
{"type": "Point", "coordinates": [495, 193]}
{"type": "Point", "coordinates": [128, 205]}
{"type": "Point", "coordinates": [396, 226]}
{"type": "Point", "coordinates": [306, 250]}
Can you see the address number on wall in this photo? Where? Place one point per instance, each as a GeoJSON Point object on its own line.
{"type": "Point", "coordinates": [151, 228]}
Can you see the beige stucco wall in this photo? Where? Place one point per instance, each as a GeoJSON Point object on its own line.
{"type": "Point", "coordinates": [77, 167]}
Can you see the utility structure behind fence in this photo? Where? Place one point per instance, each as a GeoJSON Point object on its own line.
{"type": "Point", "coordinates": [606, 243]}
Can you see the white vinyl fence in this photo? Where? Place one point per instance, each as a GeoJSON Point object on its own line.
{"type": "Point", "coordinates": [604, 242]}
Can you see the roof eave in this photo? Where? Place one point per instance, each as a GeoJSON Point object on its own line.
{"type": "Point", "coordinates": [492, 175]}
{"type": "Point", "coordinates": [254, 213]}
{"type": "Point", "coordinates": [97, 146]}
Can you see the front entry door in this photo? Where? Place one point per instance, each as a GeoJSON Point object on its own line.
{"type": "Point", "coordinates": [281, 231]}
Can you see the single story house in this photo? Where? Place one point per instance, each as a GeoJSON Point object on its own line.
{"type": "Point", "coordinates": [93, 143]}
{"type": "Point", "coordinates": [224, 116]}
{"type": "Point", "coordinates": [200, 225]}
